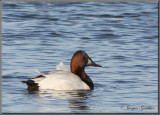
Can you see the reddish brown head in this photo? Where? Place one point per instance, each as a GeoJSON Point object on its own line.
{"type": "Point", "coordinates": [80, 59]}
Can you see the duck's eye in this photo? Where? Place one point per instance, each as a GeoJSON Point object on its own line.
{"type": "Point", "coordinates": [81, 57]}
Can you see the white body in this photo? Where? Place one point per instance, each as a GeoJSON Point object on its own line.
{"type": "Point", "coordinates": [61, 79]}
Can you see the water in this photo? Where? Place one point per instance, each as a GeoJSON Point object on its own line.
{"type": "Point", "coordinates": [120, 36]}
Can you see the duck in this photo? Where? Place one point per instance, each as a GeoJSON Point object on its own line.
{"type": "Point", "coordinates": [64, 79]}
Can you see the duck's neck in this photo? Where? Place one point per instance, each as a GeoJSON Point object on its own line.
{"type": "Point", "coordinates": [81, 73]}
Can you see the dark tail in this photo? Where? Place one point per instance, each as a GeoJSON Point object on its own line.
{"type": "Point", "coordinates": [31, 85]}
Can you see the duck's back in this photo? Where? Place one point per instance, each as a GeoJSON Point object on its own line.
{"type": "Point", "coordinates": [61, 80]}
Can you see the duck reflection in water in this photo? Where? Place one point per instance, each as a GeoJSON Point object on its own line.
{"type": "Point", "coordinates": [76, 99]}
{"type": "Point", "coordinates": [80, 104]}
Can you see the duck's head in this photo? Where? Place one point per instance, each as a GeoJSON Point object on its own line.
{"type": "Point", "coordinates": [81, 59]}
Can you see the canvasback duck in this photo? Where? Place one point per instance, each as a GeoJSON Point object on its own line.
{"type": "Point", "coordinates": [63, 79]}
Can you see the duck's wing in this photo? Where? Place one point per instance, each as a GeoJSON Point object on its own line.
{"type": "Point", "coordinates": [62, 80]}
{"type": "Point", "coordinates": [62, 67]}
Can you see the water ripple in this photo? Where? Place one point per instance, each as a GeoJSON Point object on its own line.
{"type": "Point", "coordinates": [120, 36]}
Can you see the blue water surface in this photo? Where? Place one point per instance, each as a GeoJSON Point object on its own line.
{"type": "Point", "coordinates": [120, 36]}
